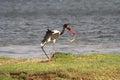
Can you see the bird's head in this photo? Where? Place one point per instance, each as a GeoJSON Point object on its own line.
{"type": "Point", "coordinates": [67, 26]}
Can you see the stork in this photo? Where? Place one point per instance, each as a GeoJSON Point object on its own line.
{"type": "Point", "coordinates": [52, 35]}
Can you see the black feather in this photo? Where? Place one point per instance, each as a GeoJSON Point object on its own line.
{"type": "Point", "coordinates": [47, 35]}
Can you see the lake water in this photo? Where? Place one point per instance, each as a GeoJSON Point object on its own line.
{"type": "Point", "coordinates": [23, 24]}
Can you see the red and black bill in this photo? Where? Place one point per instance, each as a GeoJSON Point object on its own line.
{"type": "Point", "coordinates": [71, 31]}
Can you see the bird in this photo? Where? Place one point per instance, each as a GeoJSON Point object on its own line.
{"type": "Point", "coordinates": [52, 35]}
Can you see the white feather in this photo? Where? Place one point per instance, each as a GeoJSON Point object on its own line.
{"type": "Point", "coordinates": [55, 31]}
{"type": "Point", "coordinates": [49, 39]}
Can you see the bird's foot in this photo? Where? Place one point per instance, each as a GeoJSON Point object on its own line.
{"type": "Point", "coordinates": [49, 59]}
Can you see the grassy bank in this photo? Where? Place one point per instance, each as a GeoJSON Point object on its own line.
{"type": "Point", "coordinates": [64, 66]}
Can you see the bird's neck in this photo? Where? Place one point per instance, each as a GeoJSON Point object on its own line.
{"type": "Point", "coordinates": [62, 31]}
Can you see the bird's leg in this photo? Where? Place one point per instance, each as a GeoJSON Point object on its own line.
{"type": "Point", "coordinates": [45, 52]}
{"type": "Point", "coordinates": [53, 52]}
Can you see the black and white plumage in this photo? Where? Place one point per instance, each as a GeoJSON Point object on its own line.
{"type": "Point", "coordinates": [52, 35]}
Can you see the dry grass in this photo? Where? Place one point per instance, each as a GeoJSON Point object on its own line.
{"type": "Point", "coordinates": [7, 60]}
{"type": "Point", "coordinates": [64, 66]}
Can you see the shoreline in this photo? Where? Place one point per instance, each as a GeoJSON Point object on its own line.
{"type": "Point", "coordinates": [34, 51]}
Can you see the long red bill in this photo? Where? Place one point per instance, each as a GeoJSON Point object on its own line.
{"type": "Point", "coordinates": [71, 31]}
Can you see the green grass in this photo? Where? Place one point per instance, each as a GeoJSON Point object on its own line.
{"type": "Point", "coordinates": [64, 66]}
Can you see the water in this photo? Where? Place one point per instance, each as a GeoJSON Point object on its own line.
{"type": "Point", "coordinates": [23, 24]}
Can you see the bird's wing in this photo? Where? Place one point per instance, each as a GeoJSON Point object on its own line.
{"type": "Point", "coordinates": [47, 36]}
{"type": "Point", "coordinates": [55, 34]}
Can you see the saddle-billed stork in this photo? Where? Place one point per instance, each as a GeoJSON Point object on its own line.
{"type": "Point", "coordinates": [52, 35]}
